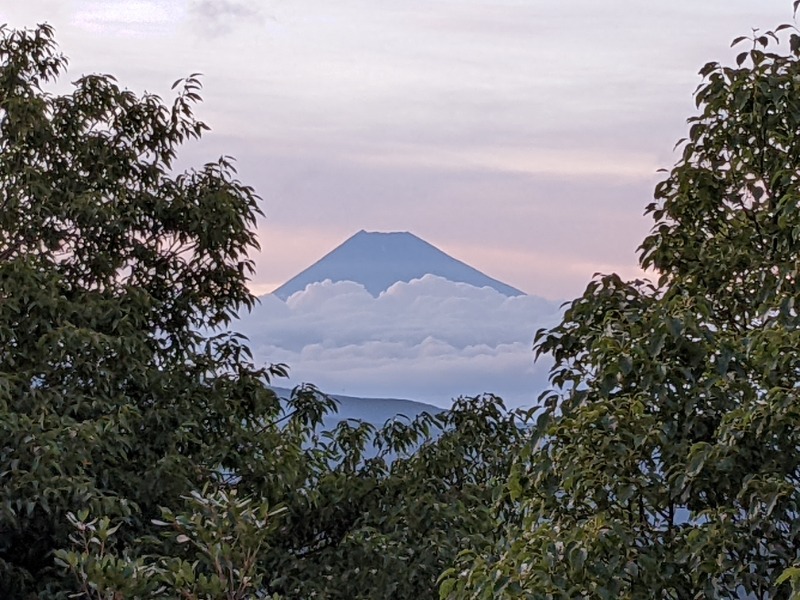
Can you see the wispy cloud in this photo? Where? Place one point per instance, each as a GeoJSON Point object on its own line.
{"type": "Point", "coordinates": [218, 17]}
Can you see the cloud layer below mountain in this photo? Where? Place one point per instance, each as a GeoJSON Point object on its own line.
{"type": "Point", "coordinates": [429, 340]}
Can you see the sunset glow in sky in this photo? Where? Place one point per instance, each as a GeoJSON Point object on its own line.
{"type": "Point", "coordinates": [521, 136]}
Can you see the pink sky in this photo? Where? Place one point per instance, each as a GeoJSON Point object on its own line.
{"type": "Point", "coordinates": [521, 136]}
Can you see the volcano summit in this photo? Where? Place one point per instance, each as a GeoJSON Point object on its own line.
{"type": "Point", "coordinates": [378, 260]}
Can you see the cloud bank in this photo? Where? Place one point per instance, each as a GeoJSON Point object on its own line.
{"type": "Point", "coordinates": [429, 340]}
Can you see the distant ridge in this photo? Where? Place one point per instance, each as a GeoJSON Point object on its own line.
{"type": "Point", "coordinates": [372, 410]}
{"type": "Point", "coordinates": [378, 260]}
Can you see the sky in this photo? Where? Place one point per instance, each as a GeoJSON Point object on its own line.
{"type": "Point", "coordinates": [520, 136]}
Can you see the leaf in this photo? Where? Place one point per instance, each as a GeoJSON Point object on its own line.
{"type": "Point", "coordinates": [625, 364]}
{"type": "Point", "coordinates": [789, 572]}
{"type": "Point", "coordinates": [697, 458]}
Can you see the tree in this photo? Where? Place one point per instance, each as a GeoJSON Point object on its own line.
{"type": "Point", "coordinates": [386, 526]}
{"type": "Point", "coordinates": [666, 463]}
{"type": "Point", "coordinates": [111, 398]}
{"type": "Point", "coordinates": [360, 526]}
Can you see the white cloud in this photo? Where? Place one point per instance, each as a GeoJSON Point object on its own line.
{"type": "Point", "coordinates": [429, 340]}
{"type": "Point", "coordinates": [136, 19]}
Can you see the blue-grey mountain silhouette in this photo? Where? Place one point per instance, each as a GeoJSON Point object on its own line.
{"type": "Point", "coordinates": [372, 410]}
{"type": "Point", "coordinates": [378, 260]}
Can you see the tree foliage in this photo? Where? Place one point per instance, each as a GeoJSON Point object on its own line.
{"type": "Point", "coordinates": [667, 463]}
{"type": "Point", "coordinates": [359, 527]}
{"type": "Point", "coordinates": [387, 525]}
{"type": "Point", "coordinates": [110, 265]}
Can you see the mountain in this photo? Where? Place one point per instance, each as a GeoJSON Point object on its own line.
{"type": "Point", "coordinates": [377, 260]}
{"type": "Point", "coordinates": [372, 410]}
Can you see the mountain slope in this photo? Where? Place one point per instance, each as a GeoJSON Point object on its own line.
{"type": "Point", "coordinates": [372, 410]}
{"type": "Point", "coordinates": [377, 260]}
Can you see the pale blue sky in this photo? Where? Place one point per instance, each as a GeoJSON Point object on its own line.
{"type": "Point", "coordinates": [520, 136]}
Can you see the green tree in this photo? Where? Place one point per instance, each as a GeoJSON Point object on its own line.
{"type": "Point", "coordinates": [224, 536]}
{"type": "Point", "coordinates": [386, 526]}
{"type": "Point", "coordinates": [666, 463]}
{"type": "Point", "coordinates": [111, 400]}
{"type": "Point", "coordinates": [379, 514]}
